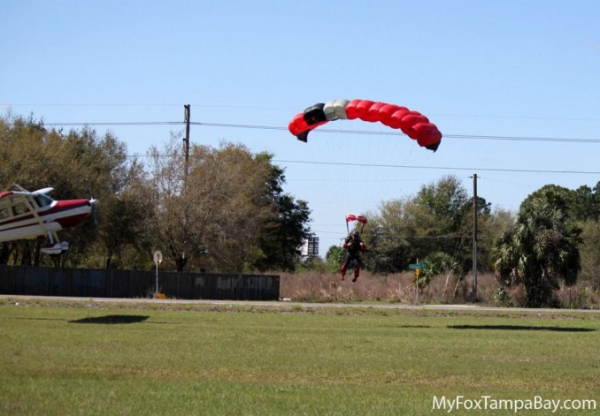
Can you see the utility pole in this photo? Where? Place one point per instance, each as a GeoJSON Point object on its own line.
{"type": "Point", "coordinates": [474, 237]}
{"type": "Point", "coordinates": [186, 140]}
{"type": "Point", "coordinates": [181, 261]}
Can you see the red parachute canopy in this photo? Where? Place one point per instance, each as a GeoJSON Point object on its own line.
{"type": "Point", "coordinates": [412, 123]}
{"type": "Point", "coordinates": [359, 218]}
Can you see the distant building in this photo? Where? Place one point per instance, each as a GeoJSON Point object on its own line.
{"type": "Point", "coordinates": [310, 247]}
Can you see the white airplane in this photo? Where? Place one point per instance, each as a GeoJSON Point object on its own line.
{"type": "Point", "coordinates": [25, 215]}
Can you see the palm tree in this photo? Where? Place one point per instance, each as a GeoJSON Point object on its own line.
{"type": "Point", "coordinates": [440, 263]}
{"type": "Point", "coordinates": [542, 249]}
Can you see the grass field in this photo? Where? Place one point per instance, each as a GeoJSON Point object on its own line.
{"type": "Point", "coordinates": [85, 358]}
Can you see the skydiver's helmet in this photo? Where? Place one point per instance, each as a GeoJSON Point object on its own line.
{"type": "Point", "coordinates": [355, 235]}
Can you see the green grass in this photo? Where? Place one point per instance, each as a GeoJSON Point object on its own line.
{"type": "Point", "coordinates": [82, 358]}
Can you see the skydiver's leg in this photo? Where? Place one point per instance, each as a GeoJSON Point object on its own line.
{"type": "Point", "coordinates": [344, 267]}
{"type": "Point", "coordinates": [356, 272]}
{"type": "Point", "coordinates": [358, 264]}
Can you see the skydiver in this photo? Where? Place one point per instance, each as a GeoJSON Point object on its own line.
{"type": "Point", "coordinates": [354, 247]}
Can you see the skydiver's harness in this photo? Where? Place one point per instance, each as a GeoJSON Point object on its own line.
{"type": "Point", "coordinates": [353, 253]}
{"type": "Point", "coordinates": [354, 249]}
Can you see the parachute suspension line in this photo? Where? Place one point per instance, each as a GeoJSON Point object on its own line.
{"type": "Point", "coordinates": [345, 184]}
{"type": "Point", "coordinates": [389, 148]}
{"type": "Point", "coordinates": [334, 180]}
{"type": "Point", "coordinates": [412, 124]}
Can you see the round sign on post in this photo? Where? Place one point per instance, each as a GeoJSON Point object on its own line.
{"type": "Point", "coordinates": [157, 258]}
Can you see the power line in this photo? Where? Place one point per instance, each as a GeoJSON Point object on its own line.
{"type": "Point", "coordinates": [523, 138]}
{"type": "Point", "coordinates": [328, 131]}
{"type": "Point", "coordinates": [374, 165]}
{"type": "Point", "coordinates": [254, 107]}
{"type": "Point", "coordinates": [397, 133]}
{"type": "Point", "coordinates": [124, 123]}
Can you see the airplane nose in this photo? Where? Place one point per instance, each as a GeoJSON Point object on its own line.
{"type": "Point", "coordinates": [72, 212]}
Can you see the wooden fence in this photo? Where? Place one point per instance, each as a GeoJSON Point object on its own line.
{"type": "Point", "coordinates": [44, 281]}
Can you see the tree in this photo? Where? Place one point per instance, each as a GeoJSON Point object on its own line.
{"type": "Point", "coordinates": [438, 219]}
{"type": "Point", "coordinates": [437, 264]}
{"type": "Point", "coordinates": [389, 237]}
{"type": "Point", "coordinates": [78, 163]}
{"type": "Point", "coordinates": [102, 169]}
{"type": "Point", "coordinates": [230, 214]}
{"type": "Point", "coordinates": [542, 249]}
{"type": "Point", "coordinates": [125, 227]}
{"type": "Point", "coordinates": [21, 156]}
{"type": "Point", "coordinates": [491, 227]}
{"type": "Point", "coordinates": [166, 169]}
{"type": "Point", "coordinates": [585, 202]}
{"type": "Point", "coordinates": [284, 232]}
{"type": "Point", "coordinates": [230, 196]}
{"type": "Point", "coordinates": [334, 258]}
{"type": "Point", "coordinates": [590, 249]}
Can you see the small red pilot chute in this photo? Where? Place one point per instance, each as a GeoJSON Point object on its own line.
{"type": "Point", "coordinates": [360, 218]}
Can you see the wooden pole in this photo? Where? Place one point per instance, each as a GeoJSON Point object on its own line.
{"type": "Point", "coordinates": [186, 140]}
{"type": "Point", "coordinates": [475, 237]}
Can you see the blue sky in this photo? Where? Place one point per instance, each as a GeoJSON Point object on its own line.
{"type": "Point", "coordinates": [475, 68]}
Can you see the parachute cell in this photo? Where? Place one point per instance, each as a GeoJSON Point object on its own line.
{"type": "Point", "coordinates": [315, 114]}
{"type": "Point", "coordinates": [412, 123]}
{"type": "Point", "coordinates": [335, 110]}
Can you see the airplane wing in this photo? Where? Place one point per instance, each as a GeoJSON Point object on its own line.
{"type": "Point", "coordinates": [16, 203]}
{"type": "Point", "coordinates": [22, 192]}
{"type": "Point", "coordinates": [5, 198]}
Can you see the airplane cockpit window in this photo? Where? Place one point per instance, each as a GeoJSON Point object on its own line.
{"type": "Point", "coordinates": [4, 213]}
{"type": "Point", "coordinates": [43, 200]}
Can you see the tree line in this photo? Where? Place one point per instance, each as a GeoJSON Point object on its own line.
{"type": "Point", "coordinates": [225, 209]}
{"type": "Point", "coordinates": [553, 239]}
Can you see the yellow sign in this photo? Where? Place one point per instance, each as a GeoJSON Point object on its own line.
{"type": "Point", "coordinates": [417, 271]}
